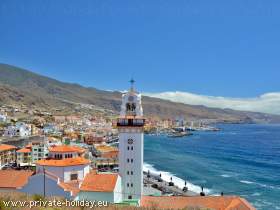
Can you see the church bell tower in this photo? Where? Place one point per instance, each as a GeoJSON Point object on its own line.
{"type": "Point", "coordinates": [131, 126]}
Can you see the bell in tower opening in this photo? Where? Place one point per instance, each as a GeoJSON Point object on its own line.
{"type": "Point", "coordinates": [131, 102]}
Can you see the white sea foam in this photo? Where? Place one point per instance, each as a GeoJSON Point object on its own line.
{"type": "Point", "coordinates": [225, 175]}
{"type": "Point", "coordinates": [246, 182]}
{"type": "Point", "coordinates": [177, 181]}
{"type": "Point", "coordinates": [261, 185]}
{"type": "Point", "coordinates": [256, 194]}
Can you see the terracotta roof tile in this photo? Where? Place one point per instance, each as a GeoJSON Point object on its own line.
{"type": "Point", "coordinates": [64, 162]}
{"type": "Point", "coordinates": [105, 148]}
{"type": "Point", "coordinates": [28, 146]}
{"type": "Point", "coordinates": [24, 150]}
{"type": "Point", "coordinates": [4, 147]}
{"type": "Point", "coordinates": [212, 202]}
{"type": "Point", "coordinates": [66, 148]}
{"type": "Point", "coordinates": [14, 178]}
{"type": "Point", "coordinates": [99, 182]}
{"type": "Point", "coordinates": [72, 186]}
{"type": "Point", "coordinates": [111, 154]}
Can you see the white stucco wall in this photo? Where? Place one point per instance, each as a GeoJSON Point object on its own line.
{"type": "Point", "coordinates": [118, 197]}
{"type": "Point", "coordinates": [136, 166]}
{"type": "Point", "coordinates": [96, 196]}
{"type": "Point", "coordinates": [111, 197]}
{"type": "Point", "coordinates": [64, 172]}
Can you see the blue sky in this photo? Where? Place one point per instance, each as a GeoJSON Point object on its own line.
{"type": "Point", "coordinates": [217, 48]}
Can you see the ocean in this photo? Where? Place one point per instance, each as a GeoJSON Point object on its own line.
{"type": "Point", "coordinates": [241, 159]}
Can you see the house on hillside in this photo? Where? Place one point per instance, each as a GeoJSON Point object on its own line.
{"type": "Point", "coordinates": [31, 153]}
{"type": "Point", "coordinates": [7, 154]}
{"type": "Point", "coordinates": [3, 117]}
{"type": "Point", "coordinates": [19, 129]}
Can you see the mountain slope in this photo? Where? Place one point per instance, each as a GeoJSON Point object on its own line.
{"type": "Point", "coordinates": [21, 86]}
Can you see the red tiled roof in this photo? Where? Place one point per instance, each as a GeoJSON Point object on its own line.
{"type": "Point", "coordinates": [72, 186]}
{"type": "Point", "coordinates": [28, 146]}
{"type": "Point", "coordinates": [14, 178]}
{"type": "Point", "coordinates": [24, 150]}
{"type": "Point", "coordinates": [111, 154]}
{"type": "Point", "coordinates": [212, 202]}
{"type": "Point", "coordinates": [63, 162]}
{"type": "Point", "coordinates": [99, 182]}
{"type": "Point", "coordinates": [4, 147]}
{"type": "Point", "coordinates": [66, 148]}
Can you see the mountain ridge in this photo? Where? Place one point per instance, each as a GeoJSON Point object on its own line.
{"type": "Point", "coordinates": [19, 85]}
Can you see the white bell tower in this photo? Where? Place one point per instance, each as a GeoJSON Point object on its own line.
{"type": "Point", "coordinates": [130, 125]}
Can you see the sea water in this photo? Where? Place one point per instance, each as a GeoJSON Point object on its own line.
{"type": "Point", "coordinates": [241, 159]}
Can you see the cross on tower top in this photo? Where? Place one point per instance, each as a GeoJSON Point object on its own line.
{"type": "Point", "coordinates": [132, 81]}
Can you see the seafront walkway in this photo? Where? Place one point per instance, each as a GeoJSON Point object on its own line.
{"type": "Point", "coordinates": [164, 186]}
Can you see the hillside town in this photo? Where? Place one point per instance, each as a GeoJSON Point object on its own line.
{"type": "Point", "coordinates": [93, 157]}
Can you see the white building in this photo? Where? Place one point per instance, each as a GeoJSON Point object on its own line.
{"type": "Point", "coordinates": [20, 129]}
{"type": "Point", "coordinates": [39, 151]}
{"type": "Point", "coordinates": [31, 153]}
{"type": "Point", "coordinates": [130, 125]}
{"type": "Point", "coordinates": [3, 117]}
{"type": "Point", "coordinates": [66, 162]}
{"type": "Point", "coordinates": [62, 173]}
{"type": "Point", "coordinates": [101, 187]}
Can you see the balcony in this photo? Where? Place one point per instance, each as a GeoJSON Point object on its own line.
{"type": "Point", "coordinates": [123, 122]}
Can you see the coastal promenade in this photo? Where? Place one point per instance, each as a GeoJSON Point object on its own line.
{"type": "Point", "coordinates": [164, 186]}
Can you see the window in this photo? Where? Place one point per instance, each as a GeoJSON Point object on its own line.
{"type": "Point", "coordinates": [74, 176]}
{"type": "Point", "coordinates": [131, 160]}
{"type": "Point", "coordinates": [127, 172]}
{"type": "Point", "coordinates": [131, 172]}
{"type": "Point", "coordinates": [127, 160]}
{"type": "Point", "coordinates": [127, 184]}
{"type": "Point", "coordinates": [130, 197]}
{"type": "Point", "coordinates": [131, 147]}
{"type": "Point", "coordinates": [128, 148]}
{"type": "Point", "coordinates": [131, 185]}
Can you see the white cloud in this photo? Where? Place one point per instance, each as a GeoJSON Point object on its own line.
{"type": "Point", "coordinates": [266, 103]}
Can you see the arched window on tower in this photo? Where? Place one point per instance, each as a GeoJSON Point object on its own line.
{"type": "Point", "coordinates": [128, 107]}
{"type": "Point", "coordinates": [133, 107]}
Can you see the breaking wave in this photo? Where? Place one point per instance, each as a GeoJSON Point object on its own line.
{"type": "Point", "coordinates": [177, 181]}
